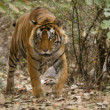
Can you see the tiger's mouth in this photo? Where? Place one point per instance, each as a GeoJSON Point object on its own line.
{"type": "Point", "coordinates": [46, 54]}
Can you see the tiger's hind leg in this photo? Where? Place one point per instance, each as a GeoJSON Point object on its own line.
{"type": "Point", "coordinates": [61, 68]}
{"type": "Point", "coordinates": [12, 68]}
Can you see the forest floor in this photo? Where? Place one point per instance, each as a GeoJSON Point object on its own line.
{"type": "Point", "coordinates": [74, 97]}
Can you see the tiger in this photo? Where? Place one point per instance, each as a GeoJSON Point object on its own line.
{"type": "Point", "coordinates": [39, 37]}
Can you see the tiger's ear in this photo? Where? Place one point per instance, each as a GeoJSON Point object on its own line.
{"type": "Point", "coordinates": [58, 22]}
{"type": "Point", "coordinates": [34, 22]}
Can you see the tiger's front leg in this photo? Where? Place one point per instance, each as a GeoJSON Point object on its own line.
{"type": "Point", "coordinates": [61, 68]}
{"type": "Point", "coordinates": [34, 76]}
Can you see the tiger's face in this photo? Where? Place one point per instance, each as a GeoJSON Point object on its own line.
{"type": "Point", "coordinates": [47, 40]}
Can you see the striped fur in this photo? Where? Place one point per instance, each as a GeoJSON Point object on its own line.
{"type": "Point", "coordinates": [39, 37]}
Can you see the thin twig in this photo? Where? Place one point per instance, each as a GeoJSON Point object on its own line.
{"type": "Point", "coordinates": [88, 32]}
{"type": "Point", "coordinates": [73, 33]}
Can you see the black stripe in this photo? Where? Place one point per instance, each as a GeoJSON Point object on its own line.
{"type": "Point", "coordinates": [35, 43]}
{"type": "Point", "coordinates": [39, 69]}
{"type": "Point", "coordinates": [40, 18]}
{"type": "Point", "coordinates": [12, 61]}
{"type": "Point", "coordinates": [12, 66]}
{"type": "Point", "coordinates": [38, 14]}
{"type": "Point", "coordinates": [16, 58]}
{"type": "Point", "coordinates": [59, 66]}
{"type": "Point", "coordinates": [34, 58]}
{"type": "Point", "coordinates": [11, 75]}
{"type": "Point", "coordinates": [57, 42]}
{"type": "Point", "coordinates": [22, 52]}
{"type": "Point", "coordinates": [35, 50]}
{"type": "Point", "coordinates": [11, 71]}
{"type": "Point", "coordinates": [23, 47]}
{"type": "Point", "coordinates": [13, 53]}
{"type": "Point", "coordinates": [45, 24]}
{"type": "Point", "coordinates": [59, 38]}
{"type": "Point", "coordinates": [58, 58]}
{"type": "Point", "coordinates": [42, 64]}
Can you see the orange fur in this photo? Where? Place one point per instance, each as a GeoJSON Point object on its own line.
{"type": "Point", "coordinates": [22, 40]}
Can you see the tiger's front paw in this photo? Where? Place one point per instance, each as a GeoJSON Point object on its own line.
{"type": "Point", "coordinates": [37, 92]}
{"type": "Point", "coordinates": [56, 91]}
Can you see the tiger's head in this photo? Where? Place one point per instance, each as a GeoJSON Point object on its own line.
{"type": "Point", "coordinates": [48, 37]}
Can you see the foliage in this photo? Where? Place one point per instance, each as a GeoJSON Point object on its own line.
{"type": "Point", "coordinates": [90, 26]}
{"type": "Point", "coordinates": [105, 4]}
{"type": "Point", "coordinates": [19, 7]}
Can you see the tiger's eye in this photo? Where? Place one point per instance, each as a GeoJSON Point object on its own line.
{"type": "Point", "coordinates": [48, 28]}
{"type": "Point", "coordinates": [41, 29]}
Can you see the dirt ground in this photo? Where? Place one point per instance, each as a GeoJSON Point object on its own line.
{"type": "Point", "coordinates": [74, 97]}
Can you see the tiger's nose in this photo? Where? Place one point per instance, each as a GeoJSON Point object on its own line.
{"type": "Point", "coordinates": [45, 50]}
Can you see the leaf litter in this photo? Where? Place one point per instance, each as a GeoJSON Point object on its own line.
{"type": "Point", "coordinates": [72, 98]}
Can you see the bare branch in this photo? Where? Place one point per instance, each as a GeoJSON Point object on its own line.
{"type": "Point", "coordinates": [94, 21]}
